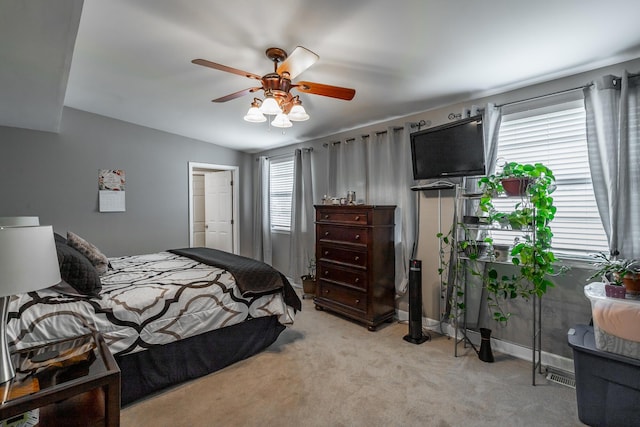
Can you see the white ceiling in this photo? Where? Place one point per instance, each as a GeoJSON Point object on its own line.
{"type": "Point", "coordinates": [131, 59]}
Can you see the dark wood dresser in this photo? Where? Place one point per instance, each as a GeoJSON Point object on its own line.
{"type": "Point", "coordinates": [356, 262]}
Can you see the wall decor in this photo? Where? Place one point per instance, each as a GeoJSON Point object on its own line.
{"type": "Point", "coordinates": [111, 189]}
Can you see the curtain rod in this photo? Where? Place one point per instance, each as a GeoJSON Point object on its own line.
{"type": "Point", "coordinates": [630, 75]}
{"type": "Point", "coordinates": [380, 132]}
{"type": "Point", "coordinates": [277, 156]}
{"type": "Point", "coordinates": [560, 92]}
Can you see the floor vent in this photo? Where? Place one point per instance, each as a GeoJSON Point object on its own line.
{"type": "Point", "coordinates": [562, 378]}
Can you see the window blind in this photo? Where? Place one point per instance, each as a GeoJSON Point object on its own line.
{"type": "Point", "coordinates": [280, 193]}
{"type": "Point", "coordinates": [558, 139]}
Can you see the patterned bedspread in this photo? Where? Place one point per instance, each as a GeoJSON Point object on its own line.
{"type": "Point", "coordinates": [146, 300]}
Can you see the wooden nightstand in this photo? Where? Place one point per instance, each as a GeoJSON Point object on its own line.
{"type": "Point", "coordinates": [81, 387]}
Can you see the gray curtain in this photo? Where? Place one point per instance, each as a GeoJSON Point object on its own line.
{"type": "Point", "coordinates": [613, 140]}
{"type": "Point", "coordinates": [476, 293]}
{"type": "Point", "coordinates": [261, 223]}
{"type": "Point", "coordinates": [491, 119]}
{"type": "Point", "coordinates": [351, 168]}
{"type": "Point", "coordinates": [302, 215]}
{"type": "Point", "coordinates": [378, 168]}
{"type": "Point", "coordinates": [332, 169]}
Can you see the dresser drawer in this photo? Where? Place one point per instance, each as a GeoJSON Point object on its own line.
{"type": "Point", "coordinates": [350, 216]}
{"type": "Point", "coordinates": [345, 296]}
{"type": "Point", "coordinates": [336, 233]}
{"type": "Point", "coordinates": [342, 255]}
{"type": "Point", "coordinates": [342, 275]}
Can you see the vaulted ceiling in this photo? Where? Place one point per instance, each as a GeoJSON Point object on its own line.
{"type": "Point", "coordinates": [131, 59]}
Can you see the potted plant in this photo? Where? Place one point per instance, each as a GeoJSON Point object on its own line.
{"type": "Point", "coordinates": [532, 253]}
{"type": "Point", "coordinates": [620, 276]}
{"type": "Point", "coordinates": [516, 179]}
{"type": "Point", "coordinates": [309, 279]}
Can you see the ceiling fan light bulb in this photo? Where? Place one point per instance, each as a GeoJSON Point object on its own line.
{"type": "Point", "coordinates": [298, 113]}
{"type": "Point", "coordinates": [270, 106]}
{"type": "Point", "coordinates": [254, 115]}
{"type": "Point", "coordinates": [281, 121]}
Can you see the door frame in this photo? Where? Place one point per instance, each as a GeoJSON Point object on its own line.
{"type": "Point", "coordinates": [235, 188]}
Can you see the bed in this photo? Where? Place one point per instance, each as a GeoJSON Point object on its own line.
{"type": "Point", "coordinates": [167, 317]}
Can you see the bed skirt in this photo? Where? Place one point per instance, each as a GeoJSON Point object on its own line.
{"type": "Point", "coordinates": [157, 368]}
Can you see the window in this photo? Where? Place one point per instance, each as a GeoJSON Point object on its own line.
{"type": "Point", "coordinates": [280, 193]}
{"type": "Point", "coordinates": [556, 136]}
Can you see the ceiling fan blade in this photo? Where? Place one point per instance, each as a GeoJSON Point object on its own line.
{"type": "Point", "coordinates": [326, 90]}
{"type": "Point", "coordinates": [236, 94]}
{"type": "Point", "coordinates": [221, 67]}
{"type": "Point", "coordinates": [300, 59]}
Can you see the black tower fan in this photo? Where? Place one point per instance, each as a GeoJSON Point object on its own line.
{"type": "Point", "coordinates": [415, 335]}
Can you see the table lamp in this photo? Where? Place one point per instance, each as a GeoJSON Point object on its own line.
{"type": "Point", "coordinates": [28, 262]}
{"type": "Point", "coordinates": [19, 221]}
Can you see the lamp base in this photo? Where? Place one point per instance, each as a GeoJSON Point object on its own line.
{"type": "Point", "coordinates": [7, 372]}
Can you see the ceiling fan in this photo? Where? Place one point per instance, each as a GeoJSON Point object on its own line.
{"type": "Point", "coordinates": [277, 85]}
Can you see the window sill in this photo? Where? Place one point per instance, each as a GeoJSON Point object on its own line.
{"type": "Point", "coordinates": [280, 231]}
{"type": "Point", "coordinates": [578, 261]}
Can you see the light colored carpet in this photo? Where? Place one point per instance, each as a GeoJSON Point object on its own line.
{"type": "Point", "coordinates": [328, 371]}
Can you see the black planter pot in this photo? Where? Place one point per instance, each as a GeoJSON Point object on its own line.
{"type": "Point", "coordinates": [485, 353]}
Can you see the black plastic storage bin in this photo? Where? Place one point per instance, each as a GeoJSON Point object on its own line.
{"type": "Point", "coordinates": [607, 384]}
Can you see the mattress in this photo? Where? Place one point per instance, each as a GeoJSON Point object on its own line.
{"type": "Point", "coordinates": [145, 301]}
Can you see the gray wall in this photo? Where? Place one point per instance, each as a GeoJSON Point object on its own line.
{"type": "Point", "coordinates": [563, 306]}
{"type": "Point", "coordinates": [54, 176]}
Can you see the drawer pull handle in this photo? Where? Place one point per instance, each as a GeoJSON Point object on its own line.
{"type": "Point", "coordinates": [326, 291]}
{"type": "Point", "coordinates": [357, 258]}
{"type": "Point", "coordinates": [326, 217]}
{"type": "Point", "coordinates": [357, 279]}
{"type": "Point", "coordinates": [326, 253]}
{"type": "Point", "coordinates": [326, 233]}
{"type": "Point", "coordinates": [326, 273]}
{"type": "Point", "coordinates": [357, 217]}
{"type": "Point", "coordinates": [357, 237]}
{"type": "Point", "coordinates": [357, 301]}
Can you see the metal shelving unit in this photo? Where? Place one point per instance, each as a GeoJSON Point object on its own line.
{"type": "Point", "coordinates": [458, 271]}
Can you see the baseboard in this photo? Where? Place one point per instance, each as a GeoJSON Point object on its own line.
{"type": "Point", "coordinates": [548, 359]}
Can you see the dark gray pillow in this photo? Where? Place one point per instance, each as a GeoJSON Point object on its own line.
{"type": "Point", "coordinates": [77, 270]}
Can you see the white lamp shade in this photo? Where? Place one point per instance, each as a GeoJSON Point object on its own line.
{"type": "Point", "coordinates": [281, 121]}
{"type": "Point", "coordinates": [28, 259]}
{"type": "Point", "coordinates": [270, 106]}
{"type": "Point", "coordinates": [19, 221]}
{"type": "Point", "coordinates": [254, 115]}
{"type": "Point", "coordinates": [298, 113]}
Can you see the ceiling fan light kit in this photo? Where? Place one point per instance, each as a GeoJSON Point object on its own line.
{"type": "Point", "coordinates": [281, 121]}
{"type": "Point", "coordinates": [254, 115]}
{"type": "Point", "coordinates": [270, 106]}
{"type": "Point", "coordinates": [278, 100]}
{"type": "Point", "coordinates": [298, 113]}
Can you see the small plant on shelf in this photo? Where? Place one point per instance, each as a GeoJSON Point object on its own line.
{"type": "Point", "coordinates": [619, 273]}
{"type": "Point", "coordinates": [472, 249]}
{"type": "Point", "coordinates": [611, 270]}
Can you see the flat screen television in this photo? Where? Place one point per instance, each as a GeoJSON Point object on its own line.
{"type": "Point", "coordinates": [451, 150]}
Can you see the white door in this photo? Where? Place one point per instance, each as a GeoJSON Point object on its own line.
{"type": "Point", "coordinates": [218, 196]}
{"type": "Point", "coordinates": [198, 209]}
